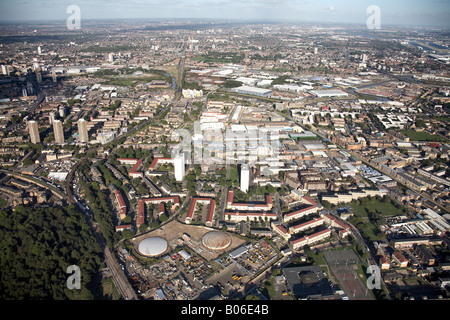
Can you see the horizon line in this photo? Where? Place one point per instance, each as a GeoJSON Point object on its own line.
{"type": "Point", "coordinates": [228, 19]}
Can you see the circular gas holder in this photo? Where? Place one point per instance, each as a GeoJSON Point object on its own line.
{"type": "Point", "coordinates": [153, 246]}
{"type": "Point", "coordinates": [216, 240]}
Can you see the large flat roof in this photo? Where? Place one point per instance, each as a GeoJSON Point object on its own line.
{"type": "Point", "coordinates": [252, 90]}
{"type": "Point", "coordinates": [308, 281]}
{"type": "Point", "coordinates": [329, 93]}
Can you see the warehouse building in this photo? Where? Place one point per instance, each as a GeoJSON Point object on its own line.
{"type": "Point", "coordinates": [253, 91]}
{"type": "Point", "coordinates": [329, 93]}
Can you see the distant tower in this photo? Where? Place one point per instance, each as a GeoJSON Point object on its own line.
{"type": "Point", "coordinates": [179, 164]}
{"type": "Point", "coordinates": [245, 177]}
{"type": "Point", "coordinates": [5, 70]}
{"type": "Point", "coordinates": [30, 88]}
{"type": "Point", "coordinates": [55, 79]}
{"type": "Point", "coordinates": [51, 117]}
{"type": "Point", "coordinates": [34, 132]}
{"type": "Point", "coordinates": [39, 77]}
{"type": "Point", "coordinates": [316, 50]}
{"type": "Point", "coordinates": [24, 92]}
{"type": "Point", "coordinates": [39, 50]}
{"type": "Point", "coordinates": [58, 131]}
{"type": "Point", "coordinates": [111, 57]}
{"type": "Point", "coordinates": [364, 58]}
{"type": "Point", "coordinates": [61, 111]}
{"type": "Point", "coordinates": [83, 131]}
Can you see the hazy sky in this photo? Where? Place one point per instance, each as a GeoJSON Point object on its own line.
{"type": "Point", "coordinates": [404, 12]}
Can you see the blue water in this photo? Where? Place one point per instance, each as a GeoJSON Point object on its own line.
{"type": "Point", "coordinates": [419, 46]}
{"type": "Point", "coordinates": [434, 45]}
{"type": "Point", "coordinates": [174, 83]}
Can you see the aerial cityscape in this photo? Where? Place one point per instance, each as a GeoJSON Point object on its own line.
{"type": "Point", "coordinates": [206, 157]}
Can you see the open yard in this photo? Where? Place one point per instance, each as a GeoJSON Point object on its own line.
{"type": "Point", "coordinates": [173, 231]}
{"type": "Point", "coordinates": [422, 136]}
{"type": "Point", "coordinates": [370, 214]}
{"type": "Point", "coordinates": [386, 207]}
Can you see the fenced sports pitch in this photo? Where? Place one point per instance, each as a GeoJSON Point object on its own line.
{"type": "Point", "coordinates": [343, 265]}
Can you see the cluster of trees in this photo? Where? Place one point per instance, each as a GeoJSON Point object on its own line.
{"type": "Point", "coordinates": [37, 246]}
{"type": "Point", "coordinates": [98, 201]}
{"type": "Point", "coordinates": [133, 153]}
{"type": "Point", "coordinates": [220, 176]}
{"type": "Point", "coordinates": [154, 222]}
{"type": "Point", "coordinates": [113, 107]}
{"type": "Point", "coordinates": [232, 83]}
{"type": "Point", "coordinates": [103, 49]}
{"type": "Point", "coordinates": [280, 80]}
{"type": "Point", "coordinates": [274, 57]}
{"type": "Point", "coordinates": [109, 177]}
{"type": "Point", "coordinates": [170, 181]}
{"type": "Point", "coordinates": [221, 57]}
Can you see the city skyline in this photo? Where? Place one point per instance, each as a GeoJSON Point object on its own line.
{"type": "Point", "coordinates": [418, 13]}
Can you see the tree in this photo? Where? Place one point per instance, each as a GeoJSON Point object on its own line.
{"type": "Point", "coordinates": [37, 247]}
{"type": "Point", "coordinates": [420, 123]}
{"type": "Point", "coordinates": [127, 220]}
{"type": "Point", "coordinates": [143, 227]}
{"type": "Point", "coordinates": [127, 234]}
{"type": "Point", "coordinates": [326, 204]}
{"type": "Point", "coordinates": [154, 224]}
{"type": "Point", "coordinates": [163, 217]}
{"type": "Point", "coordinates": [232, 83]}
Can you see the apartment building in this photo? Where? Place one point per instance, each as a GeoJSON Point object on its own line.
{"type": "Point", "coordinates": [318, 221]}
{"type": "Point", "coordinates": [238, 216]}
{"type": "Point", "coordinates": [310, 239]}
{"type": "Point", "coordinates": [299, 213]}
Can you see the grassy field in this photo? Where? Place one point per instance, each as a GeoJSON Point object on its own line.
{"type": "Point", "coordinates": [422, 136]}
{"type": "Point", "coordinates": [220, 57]}
{"type": "Point", "coordinates": [109, 291]}
{"type": "Point", "coordinates": [119, 82]}
{"type": "Point", "coordinates": [442, 118]}
{"type": "Point", "coordinates": [130, 81]}
{"type": "Point", "coordinates": [100, 49]}
{"type": "Point", "coordinates": [369, 215]}
{"type": "Point", "coordinates": [387, 208]}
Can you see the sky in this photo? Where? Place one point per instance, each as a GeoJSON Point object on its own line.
{"type": "Point", "coordinates": [392, 12]}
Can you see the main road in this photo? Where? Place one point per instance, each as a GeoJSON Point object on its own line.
{"type": "Point", "coordinates": [40, 94]}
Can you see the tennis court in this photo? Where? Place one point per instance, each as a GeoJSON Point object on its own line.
{"type": "Point", "coordinates": [343, 265]}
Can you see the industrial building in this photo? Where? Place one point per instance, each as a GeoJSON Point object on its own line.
{"type": "Point", "coordinates": [329, 93]}
{"type": "Point", "coordinates": [253, 91]}
{"type": "Point", "coordinates": [308, 283]}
